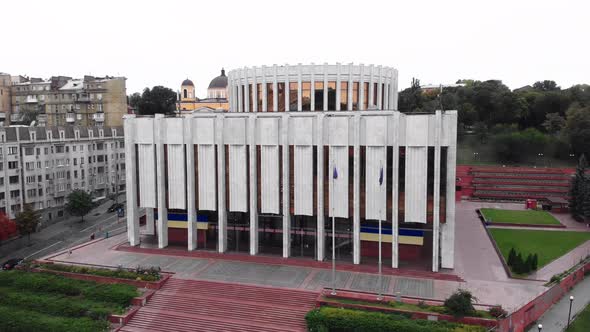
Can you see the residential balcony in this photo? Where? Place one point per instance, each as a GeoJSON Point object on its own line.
{"type": "Point", "coordinates": [83, 99]}
{"type": "Point", "coordinates": [98, 117]}
{"type": "Point", "coordinates": [2, 116]}
{"type": "Point", "coordinates": [70, 117]}
{"type": "Point", "coordinates": [2, 202]}
{"type": "Point", "coordinates": [31, 100]}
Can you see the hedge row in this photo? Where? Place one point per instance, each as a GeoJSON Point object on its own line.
{"type": "Point", "coordinates": [116, 294]}
{"type": "Point", "coordinates": [57, 305]}
{"type": "Point", "coordinates": [343, 320]}
{"type": "Point", "coordinates": [18, 320]}
{"type": "Point", "coordinates": [144, 274]}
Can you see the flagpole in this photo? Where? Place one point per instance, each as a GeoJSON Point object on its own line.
{"type": "Point", "coordinates": [333, 229]}
{"type": "Point", "coordinates": [379, 296]}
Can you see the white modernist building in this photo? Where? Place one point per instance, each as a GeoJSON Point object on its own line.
{"type": "Point", "coordinates": [302, 148]}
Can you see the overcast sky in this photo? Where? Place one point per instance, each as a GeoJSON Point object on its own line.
{"type": "Point", "coordinates": [164, 42]}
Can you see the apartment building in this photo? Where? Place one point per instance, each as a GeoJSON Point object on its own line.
{"type": "Point", "coordinates": [42, 165]}
{"type": "Point", "coordinates": [5, 100]}
{"type": "Point", "coordinates": [62, 100]}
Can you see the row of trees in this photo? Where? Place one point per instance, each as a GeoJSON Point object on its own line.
{"type": "Point", "coordinates": [580, 191]}
{"type": "Point", "coordinates": [26, 222]}
{"type": "Point", "coordinates": [518, 264]}
{"type": "Point", "coordinates": [555, 117]}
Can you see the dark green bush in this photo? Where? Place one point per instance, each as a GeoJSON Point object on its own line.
{"type": "Point", "coordinates": [497, 312]}
{"type": "Point", "coordinates": [18, 320]}
{"type": "Point", "coordinates": [460, 303]}
{"type": "Point", "coordinates": [343, 320]}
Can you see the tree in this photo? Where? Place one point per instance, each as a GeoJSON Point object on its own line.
{"type": "Point", "coordinates": [134, 100]}
{"type": "Point", "coordinates": [546, 85]}
{"type": "Point", "coordinates": [27, 221]}
{"type": "Point", "coordinates": [577, 129]}
{"type": "Point", "coordinates": [511, 257]}
{"type": "Point", "coordinates": [553, 123]}
{"type": "Point", "coordinates": [7, 227]}
{"type": "Point", "coordinates": [157, 100]}
{"type": "Point", "coordinates": [579, 187]}
{"type": "Point", "coordinates": [79, 203]}
{"type": "Point", "coordinates": [535, 262]}
{"type": "Point", "coordinates": [411, 99]}
{"type": "Point", "coordinates": [460, 303]}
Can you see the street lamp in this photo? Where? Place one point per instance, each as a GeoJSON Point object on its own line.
{"type": "Point", "coordinates": [569, 313]}
{"type": "Point", "coordinates": [540, 327]}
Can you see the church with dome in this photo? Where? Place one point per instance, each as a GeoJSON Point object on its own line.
{"type": "Point", "coordinates": [216, 96]}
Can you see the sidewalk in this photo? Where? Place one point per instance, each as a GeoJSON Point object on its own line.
{"type": "Point", "coordinates": [555, 319]}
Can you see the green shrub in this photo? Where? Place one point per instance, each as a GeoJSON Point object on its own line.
{"type": "Point", "coordinates": [18, 320]}
{"type": "Point", "coordinates": [460, 303]}
{"type": "Point", "coordinates": [143, 273]}
{"type": "Point", "coordinates": [338, 319]}
{"type": "Point", "coordinates": [57, 305]}
{"type": "Point", "coordinates": [497, 312]}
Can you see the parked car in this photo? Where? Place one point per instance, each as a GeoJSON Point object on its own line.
{"type": "Point", "coordinates": [11, 263]}
{"type": "Point", "coordinates": [115, 207]}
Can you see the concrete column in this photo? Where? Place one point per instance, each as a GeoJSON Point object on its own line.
{"type": "Point", "coordinates": [339, 68]}
{"type": "Point", "coordinates": [286, 187]}
{"type": "Point", "coordinates": [149, 221]}
{"type": "Point", "coordinates": [191, 209]}
{"type": "Point", "coordinates": [221, 188]}
{"type": "Point", "coordinates": [253, 187]}
{"type": "Point", "coordinates": [325, 88]}
{"type": "Point", "coordinates": [264, 92]}
{"type": "Point", "coordinates": [299, 90]}
{"type": "Point", "coordinates": [161, 182]}
{"type": "Point", "coordinates": [436, 191]}
{"type": "Point", "coordinates": [379, 102]}
{"type": "Point", "coordinates": [349, 99]}
{"type": "Point", "coordinates": [371, 85]}
{"type": "Point", "coordinates": [131, 181]}
{"type": "Point", "coordinates": [395, 192]}
{"type": "Point", "coordinates": [240, 107]}
{"type": "Point", "coordinates": [246, 91]}
{"type": "Point", "coordinates": [255, 91]}
{"type": "Point", "coordinates": [395, 89]}
{"type": "Point", "coordinates": [320, 183]}
{"type": "Point", "coordinates": [312, 82]}
{"type": "Point", "coordinates": [287, 87]}
{"type": "Point", "coordinates": [275, 91]}
{"type": "Point", "coordinates": [356, 219]}
{"type": "Point", "coordinates": [448, 229]}
{"type": "Point", "coordinates": [386, 95]}
{"type": "Point", "coordinates": [362, 88]}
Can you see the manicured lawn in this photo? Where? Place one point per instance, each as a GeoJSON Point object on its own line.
{"type": "Point", "coordinates": [525, 217]}
{"type": "Point", "coordinates": [45, 302]}
{"type": "Point", "coordinates": [549, 245]}
{"type": "Point", "coordinates": [582, 322]}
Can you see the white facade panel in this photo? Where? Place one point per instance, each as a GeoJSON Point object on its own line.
{"type": "Point", "coordinates": [303, 169]}
{"type": "Point", "coordinates": [147, 175]}
{"type": "Point", "coordinates": [145, 136]}
{"type": "Point", "coordinates": [203, 130]}
{"type": "Point", "coordinates": [238, 181]}
{"type": "Point", "coordinates": [416, 184]}
{"type": "Point", "coordinates": [417, 130]}
{"type": "Point", "coordinates": [269, 179]}
{"type": "Point", "coordinates": [338, 186]}
{"type": "Point", "coordinates": [374, 193]}
{"type": "Point", "coordinates": [176, 177]}
{"type": "Point", "coordinates": [206, 177]}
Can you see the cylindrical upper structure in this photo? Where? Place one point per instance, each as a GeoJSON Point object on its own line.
{"type": "Point", "coordinates": [313, 88]}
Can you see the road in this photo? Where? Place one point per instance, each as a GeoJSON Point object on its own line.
{"type": "Point", "coordinates": [65, 234]}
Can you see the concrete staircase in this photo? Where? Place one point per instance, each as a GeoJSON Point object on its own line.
{"type": "Point", "coordinates": [519, 183]}
{"type": "Point", "coordinates": [190, 305]}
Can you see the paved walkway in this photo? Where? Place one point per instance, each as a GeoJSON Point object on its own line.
{"type": "Point", "coordinates": [555, 319]}
{"type": "Point", "coordinates": [509, 293]}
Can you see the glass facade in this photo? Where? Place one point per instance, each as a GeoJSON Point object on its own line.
{"type": "Point", "coordinates": [354, 92]}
